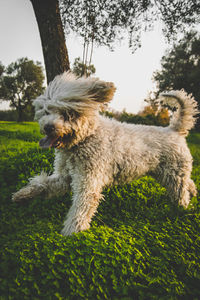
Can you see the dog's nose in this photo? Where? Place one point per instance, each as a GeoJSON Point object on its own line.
{"type": "Point", "coordinates": [48, 128]}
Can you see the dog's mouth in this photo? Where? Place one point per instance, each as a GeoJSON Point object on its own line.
{"type": "Point", "coordinates": [51, 141]}
{"type": "Point", "coordinates": [54, 141]}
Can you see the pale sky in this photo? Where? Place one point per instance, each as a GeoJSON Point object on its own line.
{"type": "Point", "coordinates": [131, 73]}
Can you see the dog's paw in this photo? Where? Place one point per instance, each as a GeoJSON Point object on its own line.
{"type": "Point", "coordinates": [74, 227]}
{"type": "Point", "coordinates": [19, 196]}
{"type": "Point", "coordinates": [24, 194]}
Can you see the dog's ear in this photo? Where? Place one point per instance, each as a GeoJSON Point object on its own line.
{"type": "Point", "coordinates": [102, 91]}
{"type": "Point", "coordinates": [83, 95]}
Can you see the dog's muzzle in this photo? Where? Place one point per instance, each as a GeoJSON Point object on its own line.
{"type": "Point", "coordinates": [51, 139]}
{"type": "Point", "coordinates": [49, 128]}
{"type": "Point", "coordinates": [54, 138]}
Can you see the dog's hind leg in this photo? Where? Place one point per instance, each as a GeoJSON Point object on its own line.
{"type": "Point", "coordinates": [187, 190]}
{"type": "Point", "coordinates": [179, 186]}
{"type": "Point", "coordinates": [192, 188]}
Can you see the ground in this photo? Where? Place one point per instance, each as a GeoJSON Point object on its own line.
{"type": "Point", "coordinates": [139, 244]}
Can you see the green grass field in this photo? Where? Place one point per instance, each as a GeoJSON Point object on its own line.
{"type": "Point", "coordinates": [140, 246]}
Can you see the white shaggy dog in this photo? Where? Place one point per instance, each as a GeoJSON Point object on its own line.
{"type": "Point", "coordinates": [92, 151]}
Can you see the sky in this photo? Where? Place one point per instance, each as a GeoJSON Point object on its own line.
{"type": "Point", "coordinates": [131, 73]}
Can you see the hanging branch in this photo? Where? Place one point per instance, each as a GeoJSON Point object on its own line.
{"type": "Point", "coordinates": [86, 58]}
{"type": "Point", "coordinates": [88, 44]}
{"type": "Point", "coordinates": [83, 59]}
{"type": "Point", "coordinates": [85, 45]}
{"type": "Point", "coordinates": [91, 51]}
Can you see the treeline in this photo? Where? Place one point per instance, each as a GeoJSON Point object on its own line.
{"type": "Point", "coordinates": [12, 115]}
{"type": "Point", "coordinates": [147, 117]}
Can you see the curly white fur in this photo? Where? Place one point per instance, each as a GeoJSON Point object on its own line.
{"type": "Point", "coordinates": [183, 119]}
{"type": "Point", "coordinates": [93, 152]}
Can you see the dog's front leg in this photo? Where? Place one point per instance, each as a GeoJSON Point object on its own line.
{"type": "Point", "coordinates": [85, 202]}
{"type": "Point", "coordinates": [48, 186]}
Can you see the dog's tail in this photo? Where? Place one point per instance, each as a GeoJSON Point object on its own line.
{"type": "Point", "coordinates": [183, 118]}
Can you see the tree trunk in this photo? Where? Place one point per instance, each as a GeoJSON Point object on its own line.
{"type": "Point", "coordinates": [52, 37]}
{"type": "Point", "coordinates": [19, 113]}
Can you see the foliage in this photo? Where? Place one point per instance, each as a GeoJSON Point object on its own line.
{"type": "Point", "coordinates": [8, 115]}
{"type": "Point", "coordinates": [146, 117]}
{"type": "Point", "coordinates": [104, 22]}
{"type": "Point", "coordinates": [140, 245]}
{"type": "Point", "coordinates": [80, 68]}
{"type": "Point", "coordinates": [11, 115]}
{"type": "Point", "coordinates": [181, 66]}
{"type": "Point", "coordinates": [161, 114]}
{"type": "Point", "coordinates": [21, 82]}
{"type": "Point", "coordinates": [1, 68]}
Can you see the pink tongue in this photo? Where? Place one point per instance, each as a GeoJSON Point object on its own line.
{"type": "Point", "coordinates": [47, 142]}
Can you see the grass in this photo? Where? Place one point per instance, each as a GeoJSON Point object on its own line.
{"type": "Point", "coordinates": [140, 246]}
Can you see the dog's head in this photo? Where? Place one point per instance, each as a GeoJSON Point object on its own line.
{"type": "Point", "coordinates": [67, 111]}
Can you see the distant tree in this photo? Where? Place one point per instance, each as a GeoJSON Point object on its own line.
{"type": "Point", "coordinates": [79, 68]}
{"type": "Point", "coordinates": [103, 22]}
{"type": "Point", "coordinates": [1, 68]}
{"type": "Point", "coordinates": [21, 82]}
{"type": "Point", "coordinates": [180, 67]}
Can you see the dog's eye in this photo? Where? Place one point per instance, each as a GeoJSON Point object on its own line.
{"type": "Point", "coordinates": [70, 115]}
{"type": "Point", "coordinates": [65, 116]}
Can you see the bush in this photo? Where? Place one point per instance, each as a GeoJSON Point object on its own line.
{"type": "Point", "coordinates": [8, 115]}
{"type": "Point", "coordinates": [146, 119]}
{"type": "Point", "coordinates": [140, 246]}
{"type": "Point", "coordinates": [12, 115]}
